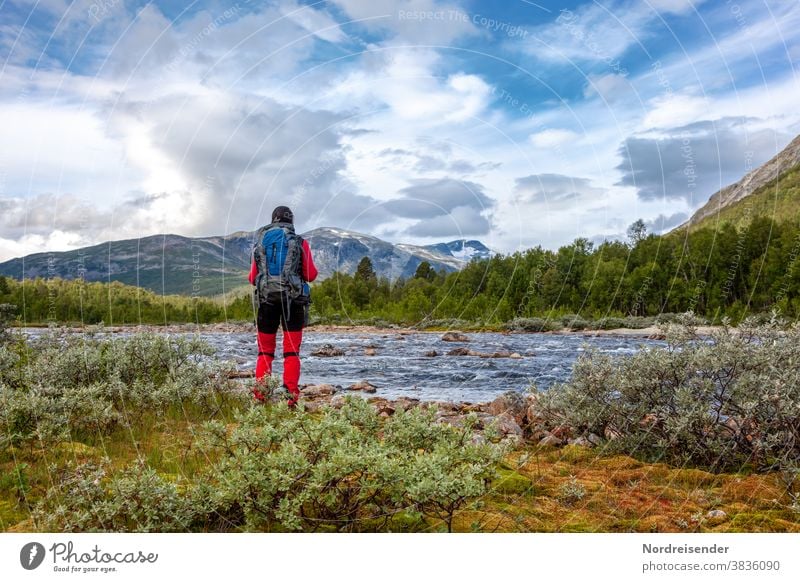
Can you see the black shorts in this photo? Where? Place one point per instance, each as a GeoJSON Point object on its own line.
{"type": "Point", "coordinates": [291, 317]}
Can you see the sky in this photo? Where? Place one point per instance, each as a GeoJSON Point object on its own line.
{"type": "Point", "coordinates": [517, 123]}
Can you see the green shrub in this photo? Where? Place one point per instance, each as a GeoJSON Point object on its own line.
{"type": "Point", "coordinates": [344, 471]}
{"type": "Point", "coordinates": [532, 324]}
{"type": "Point", "coordinates": [137, 499]}
{"type": "Point", "coordinates": [65, 383]}
{"type": "Point", "coordinates": [718, 402]}
{"type": "Point", "coordinates": [574, 321]}
{"type": "Point", "coordinates": [7, 312]}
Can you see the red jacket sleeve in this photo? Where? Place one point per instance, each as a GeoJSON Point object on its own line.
{"type": "Point", "coordinates": [253, 272]}
{"type": "Point", "coordinates": [309, 269]}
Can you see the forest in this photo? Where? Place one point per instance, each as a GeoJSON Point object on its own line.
{"type": "Point", "coordinates": [714, 272]}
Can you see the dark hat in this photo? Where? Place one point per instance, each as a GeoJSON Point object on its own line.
{"type": "Point", "coordinates": [283, 214]}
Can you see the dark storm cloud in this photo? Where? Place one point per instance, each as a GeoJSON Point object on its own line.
{"type": "Point", "coordinates": [554, 189]}
{"type": "Point", "coordinates": [435, 157]}
{"type": "Point", "coordinates": [694, 161]}
{"type": "Point", "coordinates": [246, 155]}
{"type": "Point", "coordinates": [431, 197]}
{"type": "Point", "coordinates": [461, 222]}
{"type": "Point", "coordinates": [44, 213]}
{"type": "Point", "coordinates": [348, 210]}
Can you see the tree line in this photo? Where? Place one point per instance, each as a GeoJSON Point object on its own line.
{"type": "Point", "coordinates": [714, 272]}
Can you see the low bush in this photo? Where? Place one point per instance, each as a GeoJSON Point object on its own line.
{"type": "Point", "coordinates": [273, 469]}
{"type": "Point", "coordinates": [532, 324]}
{"type": "Point", "coordinates": [62, 384]}
{"type": "Point", "coordinates": [720, 402]}
{"type": "Point", "coordinates": [137, 499]}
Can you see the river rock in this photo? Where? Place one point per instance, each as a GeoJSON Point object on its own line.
{"type": "Point", "coordinates": [507, 425]}
{"type": "Point", "coordinates": [370, 352]}
{"type": "Point", "coordinates": [317, 391]}
{"type": "Point", "coordinates": [314, 405]}
{"type": "Point", "coordinates": [550, 440]}
{"type": "Point", "coordinates": [327, 351]}
{"type": "Point", "coordinates": [405, 403]}
{"type": "Point", "coordinates": [594, 439]}
{"type": "Point", "coordinates": [503, 354]}
{"type": "Point", "coordinates": [382, 406]}
{"type": "Point", "coordinates": [363, 386]}
{"type": "Point", "coordinates": [462, 352]}
{"type": "Point", "coordinates": [337, 401]}
{"type": "Point", "coordinates": [431, 354]}
{"type": "Point", "coordinates": [511, 402]}
{"type": "Point", "coordinates": [533, 414]}
{"type": "Point", "coordinates": [455, 336]}
{"type": "Point", "coordinates": [611, 433]}
{"type": "Point", "coordinates": [581, 441]}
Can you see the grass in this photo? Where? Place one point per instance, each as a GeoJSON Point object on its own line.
{"type": "Point", "coordinates": [537, 489]}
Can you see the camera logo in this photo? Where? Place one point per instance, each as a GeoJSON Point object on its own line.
{"type": "Point", "coordinates": [31, 555]}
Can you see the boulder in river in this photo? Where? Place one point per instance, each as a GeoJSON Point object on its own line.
{"type": "Point", "coordinates": [327, 351]}
{"type": "Point", "coordinates": [461, 352]}
{"type": "Point", "coordinates": [431, 354]}
{"type": "Point", "coordinates": [455, 336]}
{"type": "Point", "coordinates": [363, 386]}
{"type": "Point", "coordinates": [370, 352]}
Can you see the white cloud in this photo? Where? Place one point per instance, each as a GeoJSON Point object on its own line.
{"type": "Point", "coordinates": [549, 138]}
{"type": "Point", "coordinates": [417, 21]}
{"type": "Point", "coordinates": [598, 32]}
{"type": "Point", "coordinates": [317, 22]}
{"type": "Point", "coordinates": [608, 86]}
{"type": "Point", "coordinates": [674, 110]}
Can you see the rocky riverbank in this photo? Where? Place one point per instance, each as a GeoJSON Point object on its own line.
{"type": "Point", "coordinates": [511, 416]}
{"type": "Point", "coordinates": [651, 332]}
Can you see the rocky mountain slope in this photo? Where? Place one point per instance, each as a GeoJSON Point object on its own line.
{"type": "Point", "coordinates": [769, 190]}
{"type": "Point", "coordinates": [213, 265]}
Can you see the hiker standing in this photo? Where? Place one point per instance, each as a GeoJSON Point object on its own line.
{"type": "Point", "coordinates": [281, 269]}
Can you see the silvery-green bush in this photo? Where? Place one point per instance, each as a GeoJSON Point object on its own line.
{"type": "Point", "coordinates": [62, 383]}
{"type": "Point", "coordinates": [723, 401]}
{"type": "Point", "coordinates": [347, 470]}
{"type": "Point", "coordinates": [137, 499]}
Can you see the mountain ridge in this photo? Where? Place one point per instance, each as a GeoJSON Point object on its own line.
{"type": "Point", "coordinates": [207, 266]}
{"type": "Point", "coordinates": [756, 189]}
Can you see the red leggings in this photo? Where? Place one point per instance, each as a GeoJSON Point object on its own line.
{"type": "Point", "coordinates": [269, 318]}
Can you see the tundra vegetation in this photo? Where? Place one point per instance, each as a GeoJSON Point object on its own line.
{"type": "Point", "coordinates": [146, 432]}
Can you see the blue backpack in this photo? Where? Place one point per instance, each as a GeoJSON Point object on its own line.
{"type": "Point", "coordinates": [278, 254]}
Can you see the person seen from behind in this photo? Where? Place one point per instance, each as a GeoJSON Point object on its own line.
{"type": "Point", "coordinates": [281, 269]}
